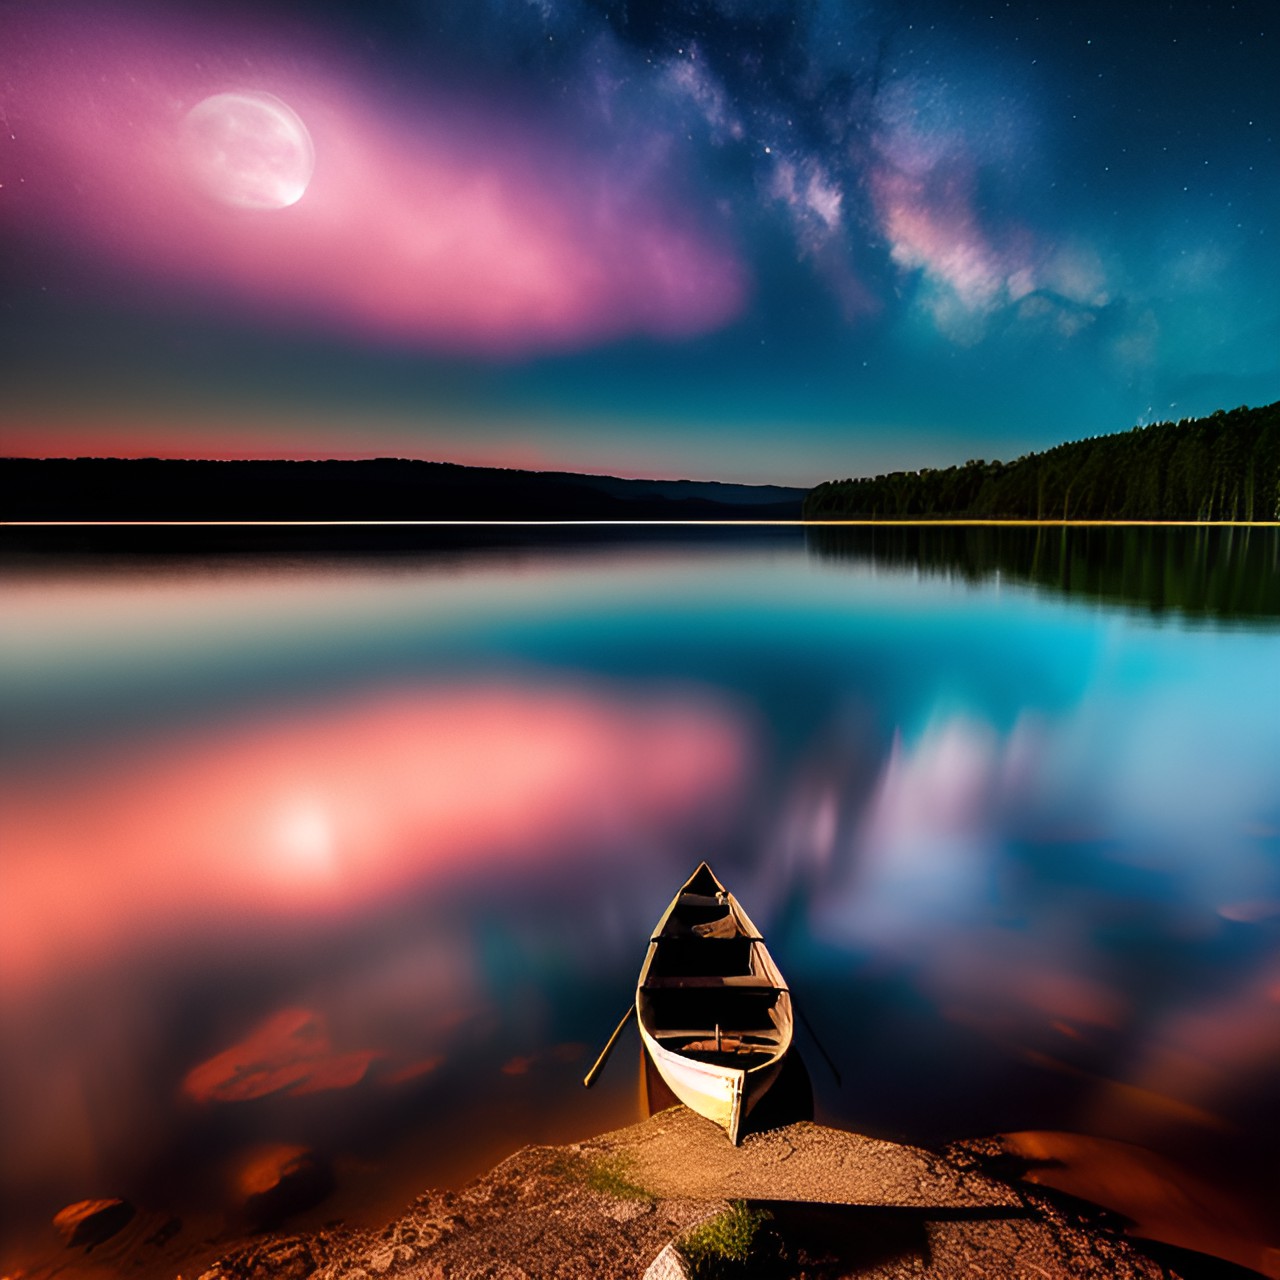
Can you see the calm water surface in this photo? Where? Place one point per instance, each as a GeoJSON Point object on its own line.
{"type": "Point", "coordinates": [362, 852]}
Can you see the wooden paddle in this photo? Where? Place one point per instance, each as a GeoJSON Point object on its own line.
{"type": "Point", "coordinates": [814, 1037]}
{"type": "Point", "coordinates": [590, 1078]}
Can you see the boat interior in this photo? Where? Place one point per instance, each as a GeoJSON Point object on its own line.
{"type": "Point", "coordinates": [710, 991]}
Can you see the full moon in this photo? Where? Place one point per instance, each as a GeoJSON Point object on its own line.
{"type": "Point", "coordinates": [249, 150]}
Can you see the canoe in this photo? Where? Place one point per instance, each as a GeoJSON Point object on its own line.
{"type": "Point", "coordinates": [714, 1011]}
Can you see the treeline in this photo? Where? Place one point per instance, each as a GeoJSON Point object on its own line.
{"type": "Point", "coordinates": [1224, 467]}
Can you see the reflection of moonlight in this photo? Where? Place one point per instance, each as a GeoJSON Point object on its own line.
{"type": "Point", "coordinates": [249, 150]}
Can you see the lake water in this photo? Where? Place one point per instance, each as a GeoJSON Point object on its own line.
{"type": "Point", "coordinates": [361, 850]}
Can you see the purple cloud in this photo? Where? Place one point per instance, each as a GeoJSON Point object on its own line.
{"type": "Point", "coordinates": [450, 231]}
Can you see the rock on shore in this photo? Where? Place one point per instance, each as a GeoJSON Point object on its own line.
{"type": "Point", "coordinates": [90, 1222]}
{"type": "Point", "coordinates": [277, 1181]}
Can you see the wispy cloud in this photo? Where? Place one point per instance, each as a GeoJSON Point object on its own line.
{"type": "Point", "coordinates": [924, 183]}
{"type": "Point", "coordinates": [688, 76]}
{"type": "Point", "coordinates": [441, 227]}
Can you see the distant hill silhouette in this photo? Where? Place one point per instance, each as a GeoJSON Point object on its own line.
{"type": "Point", "coordinates": [1224, 467]}
{"type": "Point", "coordinates": [372, 489]}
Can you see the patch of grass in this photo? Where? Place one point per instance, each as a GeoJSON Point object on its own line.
{"type": "Point", "coordinates": [724, 1246]}
{"type": "Point", "coordinates": [611, 1176]}
{"type": "Point", "coordinates": [608, 1175]}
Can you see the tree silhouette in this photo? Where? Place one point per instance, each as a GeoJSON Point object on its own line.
{"type": "Point", "coordinates": [1223, 467]}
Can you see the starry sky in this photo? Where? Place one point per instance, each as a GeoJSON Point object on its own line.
{"type": "Point", "coordinates": [732, 239]}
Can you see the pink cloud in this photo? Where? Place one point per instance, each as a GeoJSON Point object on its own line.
{"type": "Point", "coordinates": [814, 201]}
{"type": "Point", "coordinates": [923, 185]}
{"type": "Point", "coordinates": [812, 196]}
{"type": "Point", "coordinates": [442, 228]}
{"type": "Point", "coordinates": [938, 232]}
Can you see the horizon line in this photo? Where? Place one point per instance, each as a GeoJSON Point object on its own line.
{"type": "Point", "coordinates": [780, 523]}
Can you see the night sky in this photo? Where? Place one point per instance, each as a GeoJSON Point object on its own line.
{"type": "Point", "coordinates": [727, 239]}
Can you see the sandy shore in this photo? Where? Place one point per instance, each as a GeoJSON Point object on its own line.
{"type": "Point", "coordinates": [823, 1203]}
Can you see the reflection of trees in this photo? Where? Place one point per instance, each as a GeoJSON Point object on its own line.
{"type": "Point", "coordinates": [1227, 573]}
{"type": "Point", "coordinates": [1224, 467]}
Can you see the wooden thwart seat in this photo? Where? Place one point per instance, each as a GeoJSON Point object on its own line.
{"type": "Point", "coordinates": [702, 900]}
{"type": "Point", "coordinates": [752, 981]}
{"type": "Point", "coordinates": [759, 1036]}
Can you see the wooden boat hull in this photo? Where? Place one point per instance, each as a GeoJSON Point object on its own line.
{"type": "Point", "coordinates": [713, 1010]}
{"type": "Point", "coordinates": [726, 1096]}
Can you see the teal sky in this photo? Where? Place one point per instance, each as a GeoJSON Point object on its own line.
{"type": "Point", "coordinates": [765, 242]}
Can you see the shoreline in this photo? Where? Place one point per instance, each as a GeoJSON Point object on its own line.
{"type": "Point", "coordinates": [810, 1201]}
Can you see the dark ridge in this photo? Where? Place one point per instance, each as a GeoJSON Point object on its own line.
{"type": "Point", "coordinates": [370, 489]}
{"type": "Point", "coordinates": [1224, 467]}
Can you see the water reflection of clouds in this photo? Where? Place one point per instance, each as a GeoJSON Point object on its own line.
{"type": "Point", "coordinates": [290, 1052]}
{"type": "Point", "coordinates": [262, 835]}
{"type": "Point", "coordinates": [86, 657]}
{"type": "Point", "coordinates": [391, 1014]}
{"type": "Point", "coordinates": [1164, 761]}
{"type": "Point", "coordinates": [436, 808]}
{"type": "Point", "coordinates": [1064, 887]}
{"type": "Point", "coordinates": [339, 805]}
{"type": "Point", "coordinates": [924, 842]}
